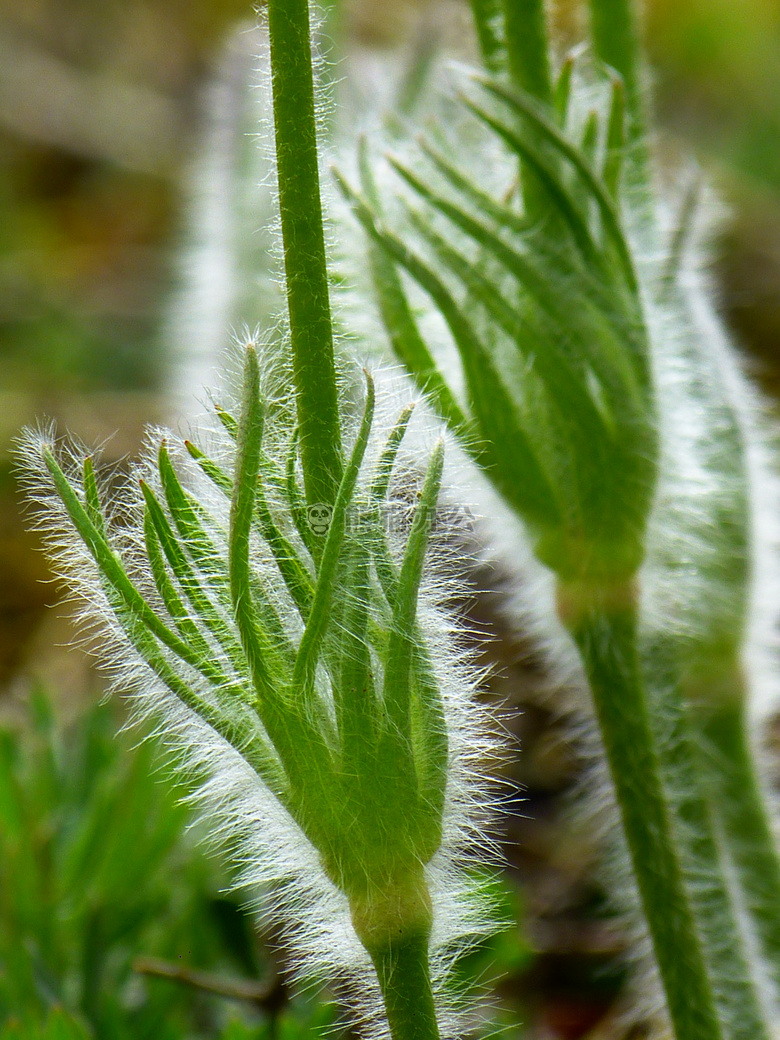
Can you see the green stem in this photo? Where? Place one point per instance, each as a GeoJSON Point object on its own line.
{"type": "Point", "coordinates": [527, 47]}
{"type": "Point", "coordinates": [616, 40]}
{"type": "Point", "coordinates": [699, 846]}
{"type": "Point", "coordinates": [528, 56]}
{"type": "Point", "coordinates": [308, 298]}
{"type": "Point", "coordinates": [404, 978]}
{"type": "Point", "coordinates": [739, 806]}
{"type": "Point", "coordinates": [603, 624]}
{"type": "Point", "coordinates": [395, 928]}
{"type": "Point", "coordinates": [487, 19]}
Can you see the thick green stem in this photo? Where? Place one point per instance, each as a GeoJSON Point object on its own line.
{"type": "Point", "coordinates": [395, 928]}
{"type": "Point", "coordinates": [738, 804]}
{"type": "Point", "coordinates": [616, 41]}
{"type": "Point", "coordinates": [603, 624]}
{"type": "Point", "coordinates": [308, 298]}
{"type": "Point", "coordinates": [404, 978]}
{"type": "Point", "coordinates": [700, 849]}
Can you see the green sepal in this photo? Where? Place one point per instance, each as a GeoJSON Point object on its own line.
{"type": "Point", "coordinates": [311, 641]}
{"type": "Point", "coordinates": [398, 318]}
{"type": "Point", "coordinates": [506, 453]}
{"type": "Point", "coordinates": [527, 110]}
{"type": "Point", "coordinates": [188, 579]}
{"type": "Point", "coordinates": [612, 171]}
{"type": "Point", "coordinates": [403, 633]}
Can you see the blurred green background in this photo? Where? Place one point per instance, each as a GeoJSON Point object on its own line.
{"type": "Point", "coordinates": [101, 105]}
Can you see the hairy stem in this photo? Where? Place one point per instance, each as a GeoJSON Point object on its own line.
{"type": "Point", "coordinates": [739, 807]}
{"type": "Point", "coordinates": [603, 625]}
{"type": "Point", "coordinates": [395, 928]}
{"type": "Point", "coordinates": [699, 846]}
{"type": "Point", "coordinates": [308, 298]}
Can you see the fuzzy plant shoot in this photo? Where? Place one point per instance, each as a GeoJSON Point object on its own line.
{"type": "Point", "coordinates": [602, 401]}
{"type": "Point", "coordinates": [251, 597]}
{"type": "Point", "coordinates": [530, 280]}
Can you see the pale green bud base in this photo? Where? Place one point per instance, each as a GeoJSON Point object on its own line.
{"type": "Point", "coordinates": [395, 929]}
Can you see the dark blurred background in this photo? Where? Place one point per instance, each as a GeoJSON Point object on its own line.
{"type": "Point", "coordinates": [100, 116]}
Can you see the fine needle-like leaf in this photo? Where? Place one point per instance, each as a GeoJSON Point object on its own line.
{"type": "Point", "coordinates": [612, 171]}
{"type": "Point", "coordinates": [506, 454]}
{"type": "Point", "coordinates": [188, 579]}
{"type": "Point", "coordinates": [109, 562]}
{"type": "Point", "coordinates": [526, 109]}
{"type": "Point", "coordinates": [185, 514]}
{"type": "Point", "coordinates": [400, 653]}
{"type": "Point", "coordinates": [311, 641]}
{"type": "Point", "coordinates": [398, 318]}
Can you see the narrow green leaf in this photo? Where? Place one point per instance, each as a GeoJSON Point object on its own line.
{"type": "Point", "coordinates": [111, 567]}
{"type": "Point", "coordinates": [488, 19]}
{"type": "Point", "coordinates": [501, 214]}
{"type": "Point", "coordinates": [384, 467]}
{"type": "Point", "coordinates": [400, 652]}
{"type": "Point", "coordinates": [562, 91]}
{"type": "Point", "coordinates": [566, 387]}
{"type": "Point", "coordinates": [527, 44]}
{"type": "Point", "coordinates": [208, 612]}
{"type": "Point", "coordinates": [237, 731]}
{"type": "Point", "coordinates": [563, 203]}
{"type": "Point", "coordinates": [398, 318]}
{"type": "Point", "coordinates": [616, 140]}
{"type": "Point", "coordinates": [229, 422]}
{"type": "Point", "coordinates": [683, 227]}
{"type": "Point", "coordinates": [506, 454]}
{"type": "Point", "coordinates": [296, 500]}
{"type": "Point", "coordinates": [357, 709]}
{"type": "Point", "coordinates": [173, 603]}
{"type": "Point", "coordinates": [527, 110]}
{"type": "Point", "coordinates": [311, 642]}
{"type": "Point", "coordinates": [268, 614]}
{"type": "Point", "coordinates": [92, 497]}
{"type": "Point", "coordinates": [291, 567]}
{"type": "Point", "coordinates": [184, 510]}
{"type": "Point", "coordinates": [265, 670]}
